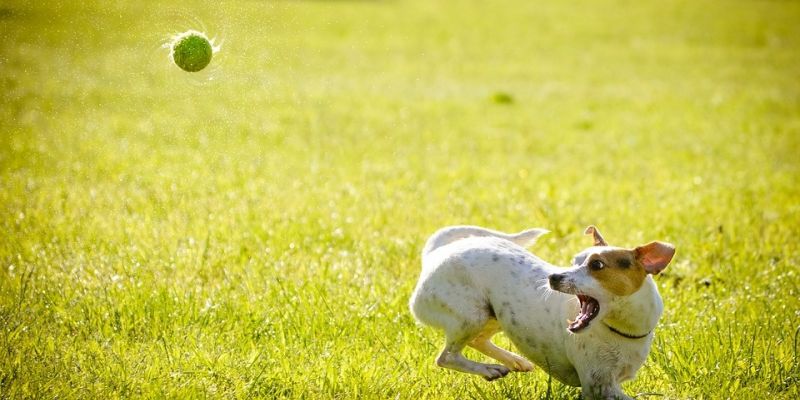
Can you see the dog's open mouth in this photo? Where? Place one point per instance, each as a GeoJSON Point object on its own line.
{"type": "Point", "coordinates": [589, 309]}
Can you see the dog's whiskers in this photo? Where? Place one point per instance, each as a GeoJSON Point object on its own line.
{"type": "Point", "coordinates": [544, 285]}
{"type": "Point", "coordinates": [574, 299]}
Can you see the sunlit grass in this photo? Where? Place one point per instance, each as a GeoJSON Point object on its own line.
{"type": "Point", "coordinates": [164, 234]}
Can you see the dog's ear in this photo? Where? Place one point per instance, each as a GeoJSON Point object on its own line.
{"type": "Point", "coordinates": [655, 256]}
{"type": "Point", "coordinates": [598, 238]}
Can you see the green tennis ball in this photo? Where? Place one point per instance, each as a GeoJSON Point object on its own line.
{"type": "Point", "coordinates": [192, 51]}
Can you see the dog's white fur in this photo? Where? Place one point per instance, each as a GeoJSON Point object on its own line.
{"type": "Point", "coordinates": [476, 282]}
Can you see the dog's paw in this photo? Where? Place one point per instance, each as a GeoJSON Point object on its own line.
{"type": "Point", "coordinates": [520, 364]}
{"type": "Point", "coordinates": [492, 372]}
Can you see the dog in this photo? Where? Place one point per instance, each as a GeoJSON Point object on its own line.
{"type": "Point", "coordinates": [590, 325]}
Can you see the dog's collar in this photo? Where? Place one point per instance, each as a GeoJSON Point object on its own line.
{"type": "Point", "coordinates": [626, 335]}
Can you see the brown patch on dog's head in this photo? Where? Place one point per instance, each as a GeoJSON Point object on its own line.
{"type": "Point", "coordinates": [617, 270]}
{"type": "Point", "coordinates": [622, 271]}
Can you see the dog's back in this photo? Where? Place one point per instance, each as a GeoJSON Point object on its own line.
{"type": "Point", "coordinates": [451, 234]}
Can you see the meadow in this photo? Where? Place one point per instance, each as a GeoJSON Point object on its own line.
{"type": "Point", "coordinates": [253, 230]}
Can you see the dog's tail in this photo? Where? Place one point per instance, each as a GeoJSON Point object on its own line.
{"type": "Point", "coordinates": [450, 234]}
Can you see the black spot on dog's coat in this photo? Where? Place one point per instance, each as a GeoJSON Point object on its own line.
{"type": "Point", "coordinates": [490, 311]}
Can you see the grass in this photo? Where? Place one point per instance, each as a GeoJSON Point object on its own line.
{"type": "Point", "coordinates": [253, 231]}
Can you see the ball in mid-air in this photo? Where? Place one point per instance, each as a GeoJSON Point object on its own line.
{"type": "Point", "coordinates": [192, 51]}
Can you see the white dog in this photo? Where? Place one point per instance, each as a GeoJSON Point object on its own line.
{"type": "Point", "coordinates": [476, 282]}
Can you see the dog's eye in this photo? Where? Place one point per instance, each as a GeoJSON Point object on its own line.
{"type": "Point", "coordinates": [596, 264]}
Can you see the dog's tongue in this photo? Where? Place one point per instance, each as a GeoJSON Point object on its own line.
{"type": "Point", "coordinates": [589, 309]}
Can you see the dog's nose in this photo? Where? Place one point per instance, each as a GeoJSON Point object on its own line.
{"type": "Point", "coordinates": [555, 279]}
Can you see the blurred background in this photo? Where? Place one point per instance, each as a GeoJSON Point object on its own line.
{"type": "Point", "coordinates": [253, 229]}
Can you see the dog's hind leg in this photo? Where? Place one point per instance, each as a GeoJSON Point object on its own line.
{"type": "Point", "coordinates": [452, 358]}
{"type": "Point", "coordinates": [455, 341]}
{"type": "Point", "coordinates": [483, 343]}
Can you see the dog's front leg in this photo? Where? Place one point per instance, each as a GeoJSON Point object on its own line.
{"type": "Point", "coordinates": [595, 385]}
{"type": "Point", "coordinates": [603, 393]}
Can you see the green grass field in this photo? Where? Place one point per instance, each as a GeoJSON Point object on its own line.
{"type": "Point", "coordinates": [253, 230]}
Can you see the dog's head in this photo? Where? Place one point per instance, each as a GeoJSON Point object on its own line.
{"type": "Point", "coordinates": [602, 274]}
